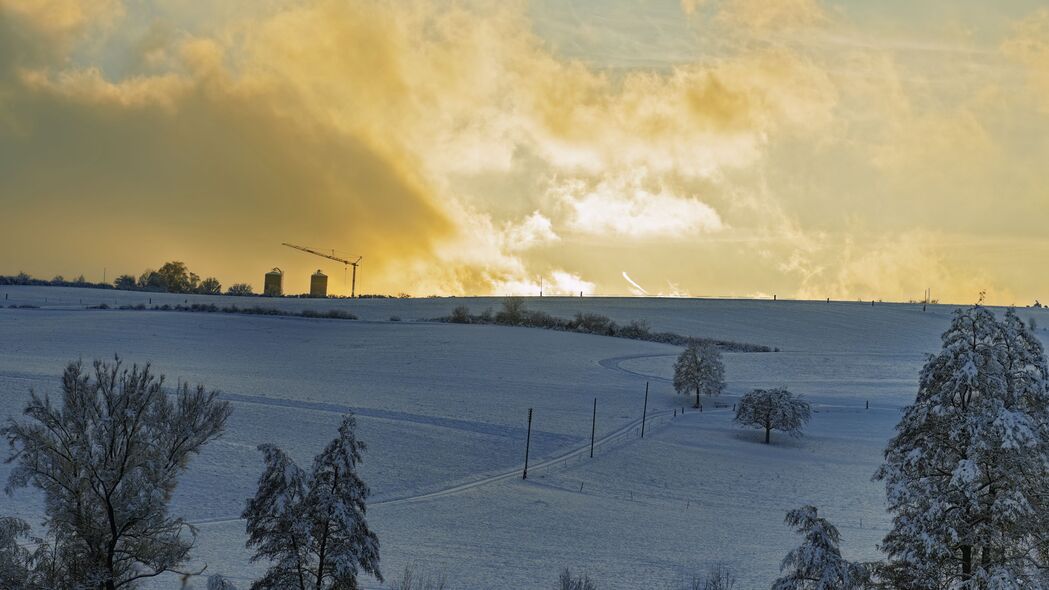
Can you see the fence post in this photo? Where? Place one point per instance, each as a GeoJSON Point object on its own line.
{"type": "Point", "coordinates": [528, 443]}
{"type": "Point", "coordinates": [593, 428]}
{"type": "Point", "coordinates": [644, 413]}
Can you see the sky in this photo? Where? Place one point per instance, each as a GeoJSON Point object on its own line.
{"type": "Point", "coordinates": [745, 148]}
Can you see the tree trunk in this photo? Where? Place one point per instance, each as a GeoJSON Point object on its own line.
{"type": "Point", "coordinates": [697, 397]}
{"type": "Point", "coordinates": [768, 431]}
{"type": "Point", "coordinates": [324, 537]}
{"type": "Point", "coordinates": [967, 562]}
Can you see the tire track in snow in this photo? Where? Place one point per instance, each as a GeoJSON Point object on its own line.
{"type": "Point", "coordinates": [615, 364]}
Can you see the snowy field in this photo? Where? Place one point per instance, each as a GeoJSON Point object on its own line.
{"type": "Point", "coordinates": [443, 409]}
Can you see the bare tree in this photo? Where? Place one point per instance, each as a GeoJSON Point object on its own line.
{"type": "Point", "coordinates": [108, 459]}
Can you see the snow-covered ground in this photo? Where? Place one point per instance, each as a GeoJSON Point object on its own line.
{"type": "Point", "coordinates": [443, 409]}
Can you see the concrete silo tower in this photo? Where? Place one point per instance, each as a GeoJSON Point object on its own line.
{"type": "Point", "coordinates": [318, 284]}
{"type": "Point", "coordinates": [274, 285]}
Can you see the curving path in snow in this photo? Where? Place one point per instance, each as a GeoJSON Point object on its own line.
{"type": "Point", "coordinates": [620, 433]}
{"type": "Point", "coordinates": [615, 364]}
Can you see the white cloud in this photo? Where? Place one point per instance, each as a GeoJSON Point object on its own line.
{"type": "Point", "coordinates": [625, 207]}
{"type": "Point", "coordinates": [534, 230]}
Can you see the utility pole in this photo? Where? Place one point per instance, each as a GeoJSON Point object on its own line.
{"type": "Point", "coordinates": [644, 413]}
{"type": "Point", "coordinates": [593, 428]}
{"type": "Point", "coordinates": [528, 443]}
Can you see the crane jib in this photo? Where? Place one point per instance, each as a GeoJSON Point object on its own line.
{"type": "Point", "coordinates": [332, 256]}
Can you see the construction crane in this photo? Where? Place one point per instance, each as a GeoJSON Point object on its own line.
{"type": "Point", "coordinates": [332, 256]}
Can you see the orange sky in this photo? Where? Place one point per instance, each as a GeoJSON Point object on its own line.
{"type": "Point", "coordinates": [705, 147]}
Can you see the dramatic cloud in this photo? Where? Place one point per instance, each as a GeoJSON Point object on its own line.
{"type": "Point", "coordinates": [474, 148]}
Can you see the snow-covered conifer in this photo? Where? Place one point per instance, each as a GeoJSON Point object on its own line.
{"type": "Point", "coordinates": [699, 370]}
{"type": "Point", "coordinates": [311, 526]}
{"type": "Point", "coordinates": [967, 473]}
{"type": "Point", "coordinates": [774, 409]}
{"type": "Point", "coordinates": [817, 564]}
{"type": "Point", "coordinates": [108, 460]}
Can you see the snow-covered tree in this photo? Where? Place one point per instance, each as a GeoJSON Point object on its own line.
{"type": "Point", "coordinates": [107, 461]}
{"type": "Point", "coordinates": [967, 474]}
{"type": "Point", "coordinates": [774, 409]}
{"type": "Point", "coordinates": [16, 560]}
{"type": "Point", "coordinates": [311, 526]}
{"type": "Point", "coordinates": [699, 370]}
{"type": "Point", "coordinates": [817, 564]}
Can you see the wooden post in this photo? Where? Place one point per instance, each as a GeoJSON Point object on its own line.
{"type": "Point", "coordinates": [644, 413]}
{"type": "Point", "coordinates": [528, 443]}
{"type": "Point", "coordinates": [593, 428]}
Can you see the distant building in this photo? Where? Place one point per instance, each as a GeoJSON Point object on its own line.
{"type": "Point", "coordinates": [318, 284]}
{"type": "Point", "coordinates": [274, 285]}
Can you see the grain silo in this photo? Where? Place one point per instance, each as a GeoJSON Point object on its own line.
{"type": "Point", "coordinates": [274, 285]}
{"type": "Point", "coordinates": [318, 284]}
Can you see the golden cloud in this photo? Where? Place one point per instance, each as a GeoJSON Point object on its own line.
{"type": "Point", "coordinates": [451, 145]}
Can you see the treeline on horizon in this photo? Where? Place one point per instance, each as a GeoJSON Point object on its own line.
{"type": "Point", "coordinates": [172, 277]}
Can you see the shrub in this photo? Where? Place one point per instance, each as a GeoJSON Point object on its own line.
{"type": "Point", "coordinates": [460, 315]}
{"type": "Point", "coordinates": [636, 330]}
{"type": "Point", "coordinates": [569, 582]}
{"type": "Point", "coordinates": [410, 580]}
{"type": "Point", "coordinates": [541, 319]}
{"type": "Point", "coordinates": [718, 577]}
{"type": "Point", "coordinates": [333, 314]}
{"type": "Point", "coordinates": [512, 313]}
{"type": "Point", "coordinates": [593, 323]}
{"type": "Point", "coordinates": [240, 289]}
